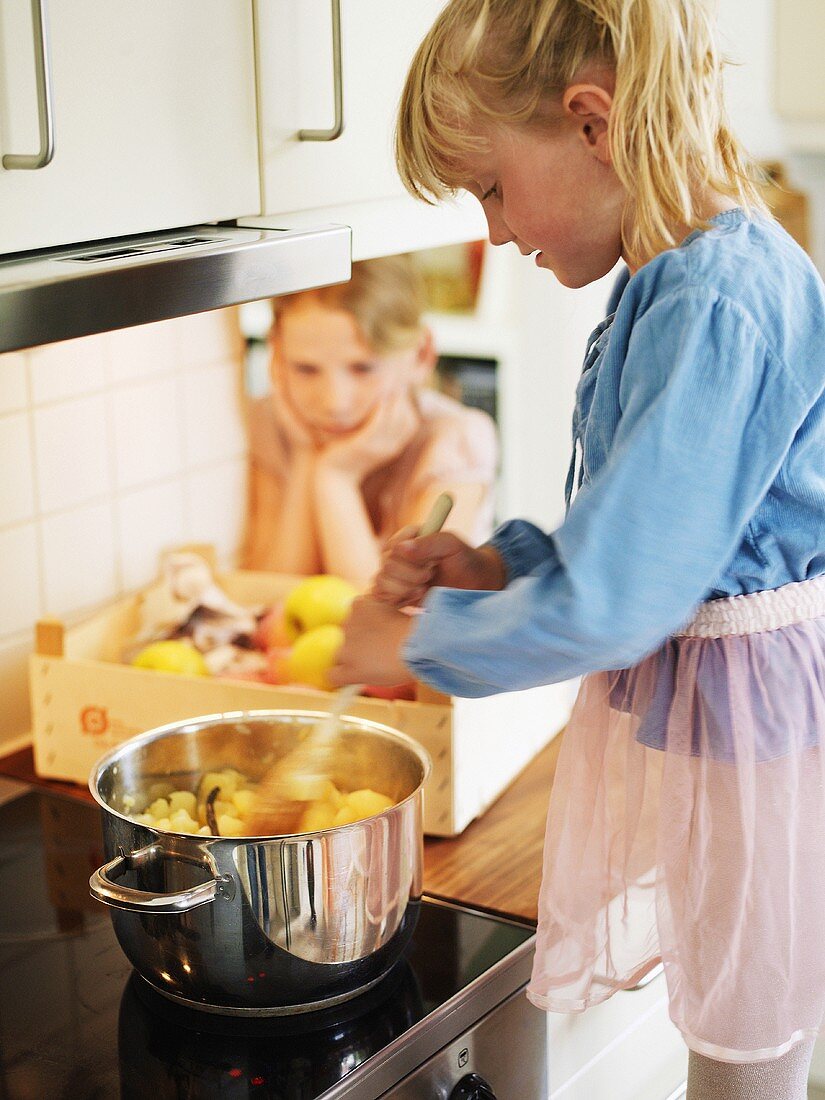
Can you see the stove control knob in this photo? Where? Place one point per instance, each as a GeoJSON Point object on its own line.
{"type": "Point", "coordinates": [472, 1087]}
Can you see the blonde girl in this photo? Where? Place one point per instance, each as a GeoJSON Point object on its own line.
{"type": "Point", "coordinates": [351, 445]}
{"type": "Point", "coordinates": [687, 581]}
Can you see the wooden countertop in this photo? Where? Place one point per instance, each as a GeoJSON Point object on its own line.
{"type": "Point", "coordinates": [495, 864]}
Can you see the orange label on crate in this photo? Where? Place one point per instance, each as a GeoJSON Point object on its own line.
{"type": "Point", "coordinates": [94, 720]}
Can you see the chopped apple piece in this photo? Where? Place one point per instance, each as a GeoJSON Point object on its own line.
{"type": "Point", "coordinates": [317, 816]}
{"type": "Point", "coordinates": [159, 808]}
{"type": "Point", "coordinates": [181, 822]}
{"type": "Point", "coordinates": [244, 801]}
{"type": "Point", "coordinates": [367, 803]}
{"type": "Point", "coordinates": [230, 826]}
{"type": "Point", "coordinates": [183, 800]}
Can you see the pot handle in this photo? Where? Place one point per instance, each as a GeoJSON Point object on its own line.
{"type": "Point", "coordinates": [102, 885]}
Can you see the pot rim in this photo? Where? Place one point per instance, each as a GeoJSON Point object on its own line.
{"type": "Point", "coordinates": [203, 721]}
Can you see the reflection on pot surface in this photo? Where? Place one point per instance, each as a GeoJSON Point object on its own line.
{"type": "Point", "coordinates": [262, 925]}
{"type": "Point", "coordinates": [167, 1051]}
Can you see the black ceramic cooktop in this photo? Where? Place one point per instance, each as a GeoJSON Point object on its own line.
{"type": "Point", "coordinates": [77, 1022]}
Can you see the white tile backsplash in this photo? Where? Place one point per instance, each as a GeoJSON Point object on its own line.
{"type": "Point", "coordinates": [79, 563]}
{"type": "Point", "coordinates": [17, 483]}
{"type": "Point", "coordinates": [208, 338]}
{"type": "Point", "coordinates": [213, 427]}
{"type": "Point", "coordinates": [72, 459]}
{"type": "Point", "coordinates": [149, 522]}
{"type": "Point", "coordinates": [14, 394]}
{"type": "Point", "coordinates": [113, 449]}
{"type": "Point", "coordinates": [147, 424]}
{"type": "Point", "coordinates": [20, 604]}
{"type": "Point", "coordinates": [217, 506]}
{"type": "Point", "coordinates": [144, 351]}
{"type": "Point", "coordinates": [68, 369]}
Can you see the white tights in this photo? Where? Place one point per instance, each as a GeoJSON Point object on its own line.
{"type": "Point", "coordinates": [784, 1078]}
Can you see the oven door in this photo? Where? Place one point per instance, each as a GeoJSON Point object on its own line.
{"type": "Point", "coordinates": [502, 1056]}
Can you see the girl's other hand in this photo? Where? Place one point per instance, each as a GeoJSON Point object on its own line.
{"type": "Point", "coordinates": [374, 636]}
{"type": "Point", "coordinates": [295, 430]}
{"type": "Point", "coordinates": [412, 566]}
{"type": "Point", "coordinates": [382, 438]}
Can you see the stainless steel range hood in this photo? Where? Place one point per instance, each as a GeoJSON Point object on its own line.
{"type": "Point", "coordinates": [61, 293]}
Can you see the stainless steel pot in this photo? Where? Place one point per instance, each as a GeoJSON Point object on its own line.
{"type": "Point", "coordinates": [262, 925]}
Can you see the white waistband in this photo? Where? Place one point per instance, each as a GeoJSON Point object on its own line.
{"type": "Point", "coordinates": [758, 611]}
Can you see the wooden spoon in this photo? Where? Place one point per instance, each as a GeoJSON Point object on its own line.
{"type": "Point", "coordinates": [303, 774]}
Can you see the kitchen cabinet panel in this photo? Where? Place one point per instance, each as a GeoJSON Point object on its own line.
{"type": "Point", "coordinates": [294, 43]}
{"type": "Point", "coordinates": [154, 118]}
{"type": "Point", "coordinates": [350, 178]}
{"type": "Point", "coordinates": [816, 1077]}
{"type": "Point", "coordinates": [626, 1048]}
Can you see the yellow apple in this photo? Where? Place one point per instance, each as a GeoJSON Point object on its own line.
{"type": "Point", "coordinates": [317, 601]}
{"type": "Point", "coordinates": [173, 655]}
{"type": "Point", "coordinates": [313, 655]}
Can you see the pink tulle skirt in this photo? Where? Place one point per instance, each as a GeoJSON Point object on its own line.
{"type": "Point", "coordinates": [687, 824]}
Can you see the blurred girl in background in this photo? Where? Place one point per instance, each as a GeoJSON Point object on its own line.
{"type": "Point", "coordinates": [351, 444]}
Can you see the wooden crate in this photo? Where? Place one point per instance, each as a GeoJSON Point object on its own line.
{"type": "Point", "coordinates": [84, 702]}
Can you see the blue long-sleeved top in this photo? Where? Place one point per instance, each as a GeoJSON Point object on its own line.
{"type": "Point", "coordinates": [699, 440]}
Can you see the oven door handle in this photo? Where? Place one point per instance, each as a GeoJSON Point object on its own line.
{"type": "Point", "coordinates": [649, 976]}
{"type": "Point", "coordinates": [652, 974]}
{"type": "Point", "coordinates": [104, 886]}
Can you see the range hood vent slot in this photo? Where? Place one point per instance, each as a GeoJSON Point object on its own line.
{"type": "Point", "coordinates": [136, 250]}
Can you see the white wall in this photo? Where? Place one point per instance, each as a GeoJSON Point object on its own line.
{"type": "Point", "coordinates": [549, 327]}
{"type": "Point", "coordinates": [113, 448]}
{"type": "Point", "coordinates": [747, 38]}
{"type": "Point", "coordinates": [747, 31]}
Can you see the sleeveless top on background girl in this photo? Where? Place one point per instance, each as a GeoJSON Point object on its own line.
{"type": "Point", "coordinates": [687, 816]}
{"type": "Point", "coordinates": [454, 446]}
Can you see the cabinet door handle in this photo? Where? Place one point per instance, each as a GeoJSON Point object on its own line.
{"type": "Point", "coordinates": [337, 127]}
{"type": "Point", "coordinates": [655, 971]}
{"type": "Point", "coordinates": [43, 74]}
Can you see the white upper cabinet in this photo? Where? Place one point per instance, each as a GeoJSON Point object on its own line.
{"type": "Point", "coordinates": [800, 73]}
{"type": "Point", "coordinates": [307, 94]}
{"type": "Point", "coordinates": [153, 114]}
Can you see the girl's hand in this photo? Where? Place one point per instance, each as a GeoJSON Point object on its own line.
{"type": "Point", "coordinates": [374, 635]}
{"type": "Point", "coordinates": [382, 438]}
{"type": "Point", "coordinates": [412, 565]}
{"type": "Point", "coordinates": [295, 430]}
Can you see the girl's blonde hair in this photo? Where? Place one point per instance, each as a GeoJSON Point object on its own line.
{"type": "Point", "coordinates": [385, 296]}
{"type": "Point", "coordinates": [509, 61]}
